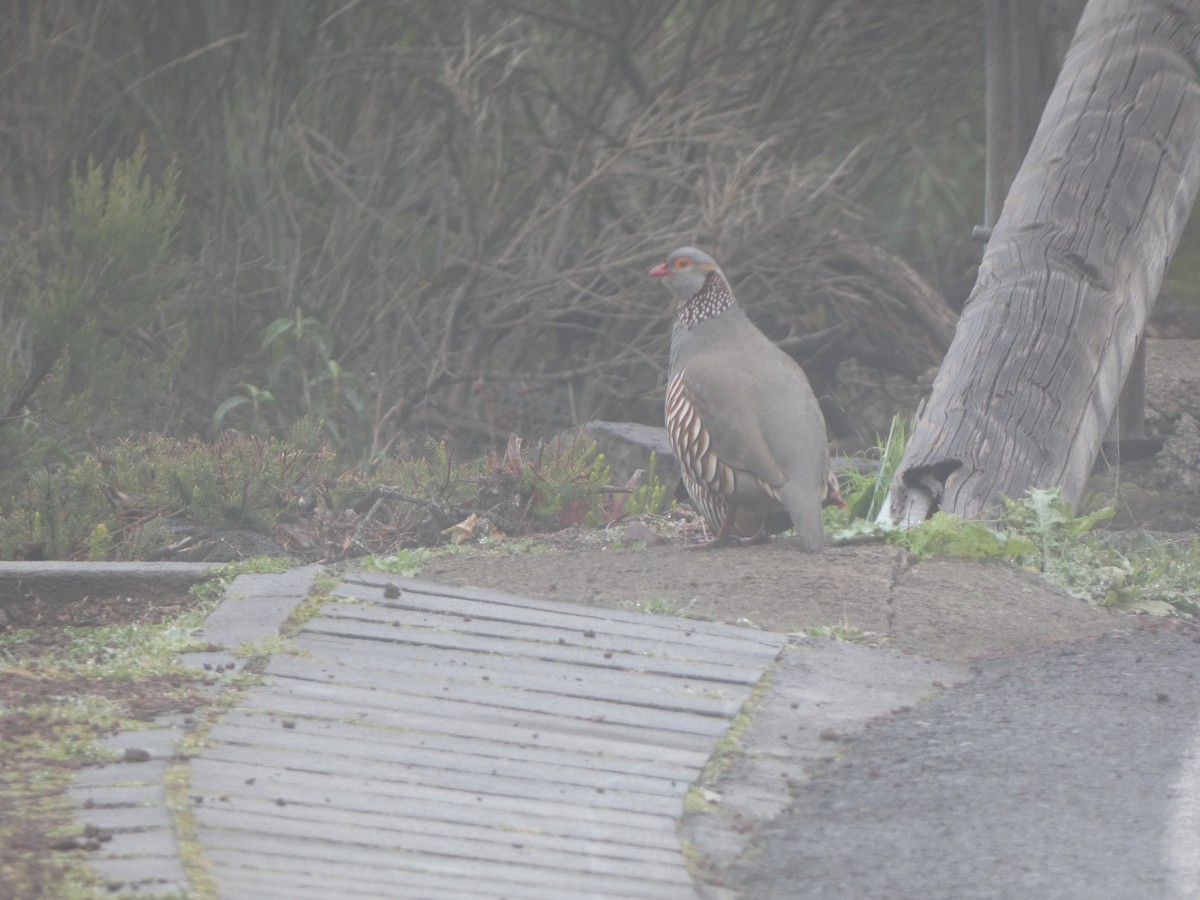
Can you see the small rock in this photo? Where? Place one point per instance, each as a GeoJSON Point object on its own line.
{"type": "Point", "coordinates": [136, 754]}
{"type": "Point", "coordinates": [639, 531]}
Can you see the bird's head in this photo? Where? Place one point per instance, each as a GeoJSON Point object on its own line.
{"type": "Point", "coordinates": [686, 274]}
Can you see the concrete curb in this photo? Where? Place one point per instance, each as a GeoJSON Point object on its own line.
{"type": "Point", "coordinates": [68, 582]}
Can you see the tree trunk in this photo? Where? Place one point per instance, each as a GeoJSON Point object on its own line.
{"type": "Point", "coordinates": [1032, 377]}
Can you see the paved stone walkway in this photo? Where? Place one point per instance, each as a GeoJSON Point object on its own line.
{"type": "Point", "coordinates": [445, 742]}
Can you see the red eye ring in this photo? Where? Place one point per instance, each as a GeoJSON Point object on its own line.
{"type": "Point", "coordinates": [683, 262]}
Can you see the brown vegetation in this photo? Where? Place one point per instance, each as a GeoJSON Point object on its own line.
{"type": "Point", "coordinates": [424, 218]}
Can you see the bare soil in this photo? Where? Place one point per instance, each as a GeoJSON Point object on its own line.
{"type": "Point", "coordinates": [35, 846]}
{"type": "Point", "coordinates": [953, 610]}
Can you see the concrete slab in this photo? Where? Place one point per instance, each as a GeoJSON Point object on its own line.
{"type": "Point", "coordinates": [157, 876]}
{"type": "Point", "coordinates": [126, 818]}
{"type": "Point", "coordinates": [101, 796]}
{"type": "Point", "coordinates": [137, 845]}
{"type": "Point", "coordinates": [143, 744]}
{"type": "Point", "coordinates": [122, 774]}
{"type": "Point", "coordinates": [256, 606]}
{"type": "Point", "coordinates": [68, 582]}
{"type": "Point", "coordinates": [820, 694]}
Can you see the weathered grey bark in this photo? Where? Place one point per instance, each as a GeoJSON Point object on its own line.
{"type": "Point", "coordinates": [1022, 61]}
{"type": "Point", "coordinates": [1032, 378]}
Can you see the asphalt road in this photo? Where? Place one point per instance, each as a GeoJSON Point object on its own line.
{"type": "Point", "coordinates": [1069, 774]}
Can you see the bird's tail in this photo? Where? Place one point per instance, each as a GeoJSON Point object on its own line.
{"type": "Point", "coordinates": [804, 506]}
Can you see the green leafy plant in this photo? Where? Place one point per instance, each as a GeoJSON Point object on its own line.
{"type": "Point", "coordinates": [1154, 575]}
{"type": "Point", "coordinates": [402, 562]}
{"type": "Point", "coordinates": [1136, 571]}
{"type": "Point", "coordinates": [255, 403]}
{"type": "Point", "coordinates": [209, 591]}
{"type": "Point", "coordinates": [81, 338]}
{"type": "Point", "coordinates": [100, 544]}
{"type": "Point", "coordinates": [651, 495]}
{"type": "Point", "coordinates": [566, 485]}
{"type": "Point", "coordinates": [864, 489]}
{"type": "Point", "coordinates": [303, 379]}
{"type": "Point", "coordinates": [946, 535]}
{"type": "Point", "coordinates": [113, 504]}
{"type": "Point", "coordinates": [1058, 537]}
{"type": "Point", "coordinates": [433, 473]}
{"type": "Point", "coordinates": [1039, 531]}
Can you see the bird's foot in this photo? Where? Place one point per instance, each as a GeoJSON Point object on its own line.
{"type": "Point", "coordinates": [712, 543]}
{"type": "Point", "coordinates": [726, 538]}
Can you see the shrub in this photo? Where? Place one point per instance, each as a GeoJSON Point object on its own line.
{"type": "Point", "coordinates": [115, 504]}
{"type": "Point", "coordinates": [565, 485]}
{"type": "Point", "coordinates": [82, 353]}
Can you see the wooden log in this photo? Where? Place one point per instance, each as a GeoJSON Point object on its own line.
{"type": "Point", "coordinates": [1049, 334]}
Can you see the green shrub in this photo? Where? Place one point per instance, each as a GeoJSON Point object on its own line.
{"type": "Point", "coordinates": [303, 379]}
{"type": "Point", "coordinates": [1137, 571]}
{"type": "Point", "coordinates": [865, 491]}
{"type": "Point", "coordinates": [114, 503]}
{"type": "Point", "coordinates": [82, 356]}
{"type": "Point", "coordinates": [651, 495]}
{"type": "Point", "coordinates": [565, 485]}
{"type": "Point", "coordinates": [945, 535]}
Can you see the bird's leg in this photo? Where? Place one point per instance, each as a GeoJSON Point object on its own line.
{"type": "Point", "coordinates": [833, 496]}
{"type": "Point", "coordinates": [722, 538]}
{"type": "Point", "coordinates": [760, 537]}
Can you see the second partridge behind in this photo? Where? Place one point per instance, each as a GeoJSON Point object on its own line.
{"type": "Point", "coordinates": [740, 413]}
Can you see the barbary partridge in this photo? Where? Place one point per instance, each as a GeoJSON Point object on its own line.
{"type": "Point", "coordinates": [740, 414]}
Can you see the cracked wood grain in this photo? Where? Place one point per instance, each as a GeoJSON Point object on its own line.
{"type": "Point", "coordinates": [1032, 378]}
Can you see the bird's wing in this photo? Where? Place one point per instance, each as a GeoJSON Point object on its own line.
{"type": "Point", "coordinates": [724, 399]}
{"type": "Point", "coordinates": [792, 424]}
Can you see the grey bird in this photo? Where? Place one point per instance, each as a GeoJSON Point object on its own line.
{"type": "Point", "coordinates": [740, 413]}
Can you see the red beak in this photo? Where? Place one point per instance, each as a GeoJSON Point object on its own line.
{"type": "Point", "coordinates": [659, 271]}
